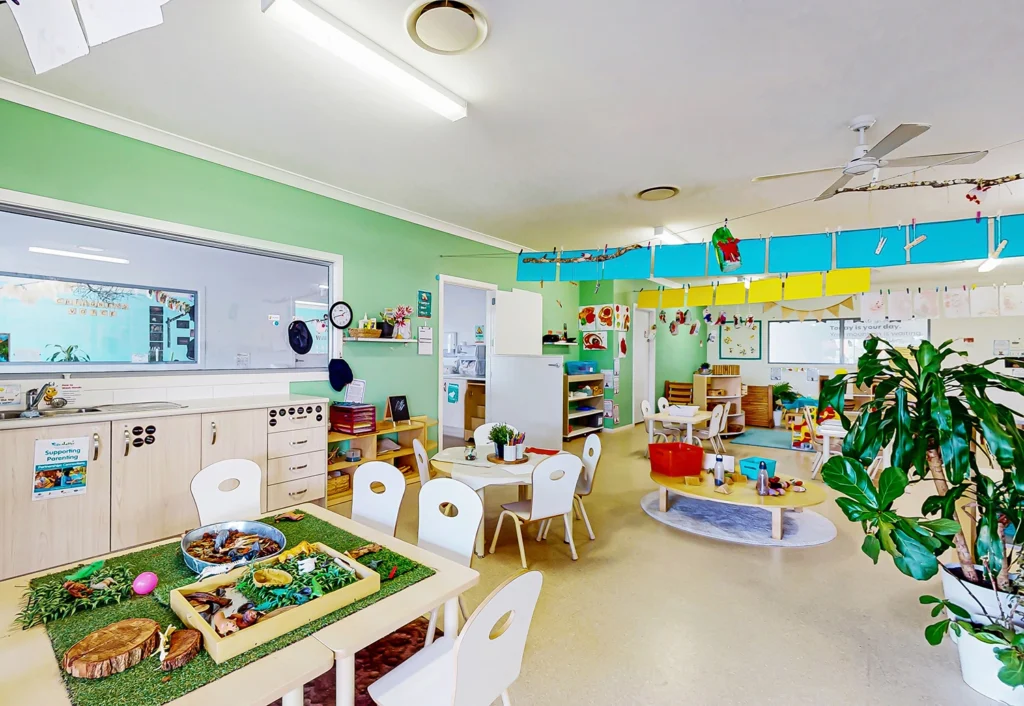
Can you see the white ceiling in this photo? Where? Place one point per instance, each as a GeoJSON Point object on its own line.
{"type": "Point", "coordinates": [577, 104]}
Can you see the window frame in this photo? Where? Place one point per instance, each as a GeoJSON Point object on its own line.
{"type": "Point", "coordinates": [842, 342]}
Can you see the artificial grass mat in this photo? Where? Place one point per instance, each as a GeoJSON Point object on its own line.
{"type": "Point", "coordinates": [144, 684]}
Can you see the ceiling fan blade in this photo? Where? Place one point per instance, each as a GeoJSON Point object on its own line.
{"type": "Point", "coordinates": [935, 160]}
{"type": "Point", "coordinates": [839, 184]}
{"type": "Point", "coordinates": [767, 177]}
{"type": "Point", "coordinates": [897, 138]}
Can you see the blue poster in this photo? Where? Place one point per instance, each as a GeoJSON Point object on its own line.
{"type": "Point", "coordinates": [49, 320]}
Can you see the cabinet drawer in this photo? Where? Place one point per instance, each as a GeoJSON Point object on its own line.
{"type": "Point", "coordinates": [290, 443]}
{"type": "Point", "coordinates": [286, 468]}
{"type": "Point", "coordinates": [294, 492]}
{"type": "Point", "coordinates": [295, 417]}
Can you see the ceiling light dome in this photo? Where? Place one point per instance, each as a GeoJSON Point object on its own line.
{"type": "Point", "coordinates": [446, 26]}
{"type": "Point", "coordinates": [658, 193]}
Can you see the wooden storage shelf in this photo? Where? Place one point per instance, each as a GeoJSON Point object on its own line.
{"type": "Point", "coordinates": [383, 427]}
{"type": "Point", "coordinates": [732, 385]}
{"type": "Point", "coordinates": [346, 495]}
{"type": "Point", "coordinates": [569, 412]}
{"type": "Point", "coordinates": [386, 456]}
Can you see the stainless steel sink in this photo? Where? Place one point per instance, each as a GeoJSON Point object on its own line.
{"type": "Point", "coordinates": [9, 415]}
{"type": "Point", "coordinates": [69, 410]}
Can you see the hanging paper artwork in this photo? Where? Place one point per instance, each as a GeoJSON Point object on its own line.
{"type": "Point", "coordinates": [727, 249]}
{"type": "Point", "coordinates": [595, 341]}
{"type": "Point", "coordinates": [588, 318]}
{"type": "Point", "coordinates": [681, 316]}
{"type": "Point", "coordinates": [623, 348]}
{"type": "Point", "coordinates": [1011, 300]}
{"type": "Point", "coordinates": [673, 328]}
{"type": "Point", "coordinates": [740, 342]}
{"type": "Point", "coordinates": [984, 301]}
{"type": "Point", "coordinates": [901, 305]}
{"type": "Point", "coordinates": [693, 329]}
{"type": "Point", "coordinates": [662, 316]}
{"type": "Point", "coordinates": [956, 303]}
{"type": "Point", "coordinates": [872, 306]}
{"type": "Point", "coordinates": [926, 304]}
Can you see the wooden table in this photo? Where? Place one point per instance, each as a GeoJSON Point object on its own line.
{"type": "Point", "coordinates": [30, 674]}
{"type": "Point", "coordinates": [361, 629]}
{"type": "Point", "coordinates": [663, 417]}
{"type": "Point", "coordinates": [742, 494]}
{"type": "Point", "coordinates": [483, 474]}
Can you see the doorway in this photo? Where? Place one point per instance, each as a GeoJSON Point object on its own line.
{"type": "Point", "coordinates": [463, 313]}
{"type": "Point", "coordinates": [643, 361]}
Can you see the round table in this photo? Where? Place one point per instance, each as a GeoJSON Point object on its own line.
{"type": "Point", "coordinates": [742, 494]}
{"type": "Point", "coordinates": [484, 473]}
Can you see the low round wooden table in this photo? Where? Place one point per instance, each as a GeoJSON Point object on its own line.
{"type": "Point", "coordinates": [742, 494]}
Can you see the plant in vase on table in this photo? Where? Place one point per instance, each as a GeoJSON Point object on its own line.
{"type": "Point", "coordinates": [937, 414]}
{"type": "Point", "coordinates": [500, 435]}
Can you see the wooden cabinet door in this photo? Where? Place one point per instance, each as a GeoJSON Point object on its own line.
{"type": "Point", "coordinates": [44, 533]}
{"type": "Point", "coordinates": [235, 435]}
{"type": "Point", "coordinates": [152, 465]}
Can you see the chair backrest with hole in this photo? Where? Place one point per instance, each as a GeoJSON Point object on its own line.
{"type": "Point", "coordinates": [591, 457]}
{"type": "Point", "coordinates": [812, 425]}
{"type": "Point", "coordinates": [227, 490]}
{"type": "Point", "coordinates": [377, 510]}
{"type": "Point", "coordinates": [480, 435]}
{"type": "Point", "coordinates": [662, 405]}
{"type": "Point", "coordinates": [554, 484]}
{"type": "Point", "coordinates": [645, 410]}
{"type": "Point", "coordinates": [422, 462]}
{"type": "Point", "coordinates": [489, 650]}
{"type": "Point", "coordinates": [452, 535]}
{"type": "Point", "coordinates": [719, 418]}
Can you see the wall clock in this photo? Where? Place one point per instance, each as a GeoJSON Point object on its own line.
{"type": "Point", "coordinates": [341, 315]}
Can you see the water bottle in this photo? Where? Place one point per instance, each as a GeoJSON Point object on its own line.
{"type": "Point", "coordinates": [762, 478]}
{"type": "Point", "coordinates": [719, 471]}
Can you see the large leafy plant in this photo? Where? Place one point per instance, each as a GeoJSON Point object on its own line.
{"type": "Point", "coordinates": [938, 415]}
{"type": "Point", "coordinates": [783, 393]}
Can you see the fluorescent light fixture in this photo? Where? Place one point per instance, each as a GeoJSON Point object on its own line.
{"type": "Point", "coordinates": [318, 305]}
{"type": "Point", "coordinates": [89, 249]}
{"type": "Point", "coordinates": [994, 261]}
{"type": "Point", "coordinates": [79, 255]}
{"type": "Point", "coordinates": [324, 286]}
{"type": "Point", "coordinates": [328, 32]}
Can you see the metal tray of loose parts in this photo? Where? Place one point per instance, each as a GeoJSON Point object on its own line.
{"type": "Point", "coordinates": [246, 527]}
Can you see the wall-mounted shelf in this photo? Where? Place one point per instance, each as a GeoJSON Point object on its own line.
{"type": "Point", "coordinates": [353, 339]}
{"type": "Point", "coordinates": [561, 343]}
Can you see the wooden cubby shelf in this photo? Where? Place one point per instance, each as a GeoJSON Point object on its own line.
{"type": "Point", "coordinates": [733, 397]}
{"type": "Point", "coordinates": [588, 417]}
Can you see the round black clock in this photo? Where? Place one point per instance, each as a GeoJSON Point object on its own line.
{"type": "Point", "coordinates": [341, 315]}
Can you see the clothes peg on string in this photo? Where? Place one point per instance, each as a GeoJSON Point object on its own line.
{"type": "Point", "coordinates": [881, 241]}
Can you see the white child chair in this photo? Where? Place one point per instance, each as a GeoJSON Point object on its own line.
{"type": "Point", "coordinates": [584, 486]}
{"type": "Point", "coordinates": [554, 487]}
{"type": "Point", "coordinates": [484, 445]}
{"type": "Point", "coordinates": [377, 510]}
{"type": "Point", "coordinates": [450, 516]}
{"type": "Point", "coordinates": [713, 432]}
{"type": "Point", "coordinates": [668, 429]}
{"type": "Point", "coordinates": [478, 666]}
{"type": "Point", "coordinates": [241, 502]}
{"type": "Point", "coordinates": [422, 462]}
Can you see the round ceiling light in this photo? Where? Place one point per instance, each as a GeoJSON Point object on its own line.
{"type": "Point", "coordinates": [446, 26]}
{"type": "Point", "coordinates": [658, 193]}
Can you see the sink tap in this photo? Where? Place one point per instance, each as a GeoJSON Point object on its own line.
{"type": "Point", "coordinates": [32, 399]}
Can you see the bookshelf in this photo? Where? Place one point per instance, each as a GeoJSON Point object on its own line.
{"type": "Point", "coordinates": [576, 421]}
{"type": "Point", "coordinates": [704, 389]}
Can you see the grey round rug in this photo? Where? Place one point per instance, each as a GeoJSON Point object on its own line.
{"type": "Point", "coordinates": [738, 523]}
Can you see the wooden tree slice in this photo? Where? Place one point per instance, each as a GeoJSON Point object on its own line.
{"type": "Point", "coordinates": [112, 649]}
{"type": "Point", "coordinates": [185, 645]}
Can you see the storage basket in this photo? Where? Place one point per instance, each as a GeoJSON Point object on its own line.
{"type": "Point", "coordinates": [580, 367]}
{"type": "Point", "coordinates": [676, 459]}
{"type": "Point", "coordinates": [750, 466]}
{"type": "Point", "coordinates": [364, 332]}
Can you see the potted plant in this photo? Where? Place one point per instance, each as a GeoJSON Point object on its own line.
{"type": "Point", "coordinates": [936, 413]}
{"type": "Point", "coordinates": [403, 322]}
{"type": "Point", "coordinates": [783, 394]}
{"type": "Point", "coordinates": [500, 435]}
{"type": "Point", "coordinates": [386, 323]}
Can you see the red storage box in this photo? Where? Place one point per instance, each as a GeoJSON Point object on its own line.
{"type": "Point", "coordinates": [352, 418]}
{"type": "Point", "coordinates": [676, 459]}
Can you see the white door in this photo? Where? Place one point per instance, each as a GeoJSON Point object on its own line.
{"type": "Point", "coordinates": [517, 323]}
{"type": "Point", "coordinates": [643, 361]}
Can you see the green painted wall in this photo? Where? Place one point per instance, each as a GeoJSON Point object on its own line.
{"type": "Point", "coordinates": [386, 259]}
{"type": "Point", "coordinates": [676, 357]}
{"type": "Point", "coordinates": [613, 292]}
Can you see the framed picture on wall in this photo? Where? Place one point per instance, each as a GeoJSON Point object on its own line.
{"type": "Point", "coordinates": [740, 342]}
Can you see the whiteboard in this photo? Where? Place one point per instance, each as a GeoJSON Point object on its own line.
{"type": "Point", "coordinates": [837, 341]}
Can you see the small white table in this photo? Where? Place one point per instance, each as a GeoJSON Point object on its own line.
{"type": "Point", "coordinates": [481, 473]}
{"type": "Point", "coordinates": [697, 418]}
{"type": "Point", "coordinates": [829, 430]}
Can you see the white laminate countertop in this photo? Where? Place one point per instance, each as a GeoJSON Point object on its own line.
{"type": "Point", "coordinates": [467, 378]}
{"type": "Point", "coordinates": [203, 406]}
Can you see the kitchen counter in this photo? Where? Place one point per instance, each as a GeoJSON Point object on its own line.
{"type": "Point", "coordinates": [464, 377]}
{"type": "Point", "coordinates": [201, 406]}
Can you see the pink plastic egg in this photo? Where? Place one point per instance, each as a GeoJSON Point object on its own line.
{"type": "Point", "coordinates": [144, 583]}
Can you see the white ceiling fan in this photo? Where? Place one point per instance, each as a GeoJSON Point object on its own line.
{"type": "Point", "coordinates": [867, 159]}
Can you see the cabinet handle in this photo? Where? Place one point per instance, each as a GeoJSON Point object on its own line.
{"type": "Point", "coordinates": [299, 443]}
{"type": "Point", "coordinates": [301, 418]}
{"type": "Point", "coordinates": [213, 427]}
{"type": "Point", "coordinates": [95, 447]}
{"type": "Point", "coordinates": [298, 492]}
{"type": "Point", "coordinates": [127, 442]}
{"type": "Point", "coordinates": [299, 468]}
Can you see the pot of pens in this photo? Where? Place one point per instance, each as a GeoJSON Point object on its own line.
{"type": "Point", "coordinates": [519, 447]}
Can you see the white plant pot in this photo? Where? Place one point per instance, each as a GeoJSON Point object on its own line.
{"type": "Point", "coordinates": [520, 451]}
{"type": "Point", "coordinates": [510, 452]}
{"type": "Point", "coordinates": [968, 596]}
{"type": "Point", "coordinates": [979, 667]}
{"type": "Point", "coordinates": [777, 417]}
